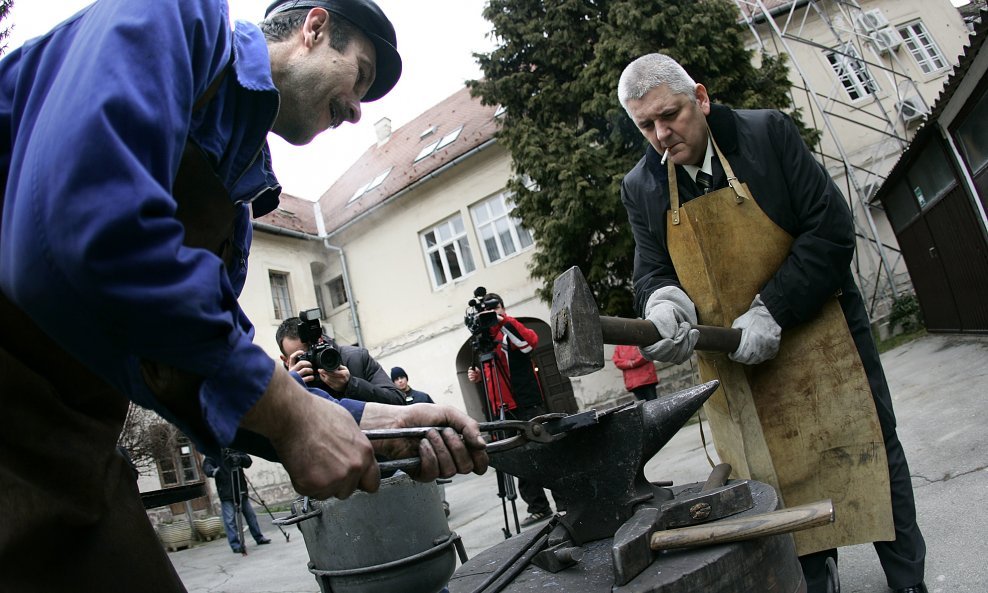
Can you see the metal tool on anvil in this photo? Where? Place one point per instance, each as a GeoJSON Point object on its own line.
{"type": "Point", "coordinates": [546, 428]}
{"type": "Point", "coordinates": [599, 469]}
{"type": "Point", "coordinates": [579, 331]}
{"type": "Point", "coordinates": [631, 551]}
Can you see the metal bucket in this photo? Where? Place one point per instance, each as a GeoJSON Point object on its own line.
{"type": "Point", "coordinates": [396, 539]}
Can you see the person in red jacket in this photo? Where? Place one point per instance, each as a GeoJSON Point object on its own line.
{"type": "Point", "coordinates": [517, 389]}
{"type": "Point", "coordinates": [639, 373]}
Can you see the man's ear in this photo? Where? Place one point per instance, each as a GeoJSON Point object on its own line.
{"type": "Point", "coordinates": [703, 99]}
{"type": "Point", "coordinates": [315, 26]}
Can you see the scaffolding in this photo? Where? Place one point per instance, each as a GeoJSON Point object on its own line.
{"type": "Point", "coordinates": [858, 44]}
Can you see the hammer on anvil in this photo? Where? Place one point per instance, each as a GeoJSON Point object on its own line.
{"type": "Point", "coordinates": [579, 331]}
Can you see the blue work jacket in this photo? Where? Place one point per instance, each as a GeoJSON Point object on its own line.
{"type": "Point", "coordinates": [94, 117]}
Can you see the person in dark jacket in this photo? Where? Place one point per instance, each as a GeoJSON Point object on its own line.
{"type": "Point", "coordinates": [735, 223]}
{"type": "Point", "coordinates": [359, 376]}
{"type": "Point", "coordinates": [231, 487]}
{"type": "Point", "coordinates": [412, 396]}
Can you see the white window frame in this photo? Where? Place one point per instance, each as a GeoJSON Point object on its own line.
{"type": "Point", "coordinates": [455, 242]}
{"type": "Point", "coordinates": [281, 296]}
{"type": "Point", "coordinates": [923, 48]}
{"type": "Point", "coordinates": [853, 73]}
{"type": "Point", "coordinates": [486, 221]}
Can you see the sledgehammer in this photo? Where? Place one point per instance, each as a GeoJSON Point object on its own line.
{"type": "Point", "coordinates": [579, 331]}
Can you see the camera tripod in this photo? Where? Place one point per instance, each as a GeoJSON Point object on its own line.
{"type": "Point", "coordinates": [238, 506]}
{"type": "Point", "coordinates": [506, 490]}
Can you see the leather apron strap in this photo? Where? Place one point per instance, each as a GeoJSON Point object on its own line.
{"type": "Point", "coordinates": [775, 422]}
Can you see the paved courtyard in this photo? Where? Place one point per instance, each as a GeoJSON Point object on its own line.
{"type": "Point", "coordinates": [938, 385]}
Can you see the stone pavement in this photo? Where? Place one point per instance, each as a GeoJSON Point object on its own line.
{"type": "Point", "coordinates": [938, 386]}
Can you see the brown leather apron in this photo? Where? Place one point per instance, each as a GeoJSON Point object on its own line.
{"type": "Point", "coordinates": [72, 514]}
{"type": "Point", "coordinates": [804, 422]}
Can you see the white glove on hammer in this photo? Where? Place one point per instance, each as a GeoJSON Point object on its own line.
{"type": "Point", "coordinates": [672, 313]}
{"type": "Point", "coordinates": [760, 334]}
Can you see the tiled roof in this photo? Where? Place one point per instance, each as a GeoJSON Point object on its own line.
{"type": "Point", "coordinates": [399, 152]}
{"type": "Point", "coordinates": [294, 214]}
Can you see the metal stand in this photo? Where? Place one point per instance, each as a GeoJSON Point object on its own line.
{"type": "Point", "coordinates": [506, 490]}
{"type": "Point", "coordinates": [238, 516]}
{"type": "Point", "coordinates": [261, 502]}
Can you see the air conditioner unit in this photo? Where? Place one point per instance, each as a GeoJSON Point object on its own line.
{"type": "Point", "coordinates": [886, 40]}
{"type": "Point", "coordinates": [871, 20]}
{"type": "Point", "coordinates": [869, 190]}
{"type": "Point", "coordinates": [911, 109]}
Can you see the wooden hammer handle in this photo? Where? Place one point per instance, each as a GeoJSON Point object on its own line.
{"type": "Point", "coordinates": [642, 332]}
{"type": "Point", "coordinates": [733, 530]}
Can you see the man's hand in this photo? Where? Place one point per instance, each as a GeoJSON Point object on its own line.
{"type": "Point", "coordinates": [673, 314]}
{"type": "Point", "coordinates": [317, 440]}
{"type": "Point", "coordinates": [459, 448]}
{"type": "Point", "coordinates": [473, 375]}
{"type": "Point", "coordinates": [337, 380]}
{"type": "Point", "coordinates": [302, 367]}
{"type": "Point", "coordinates": [760, 334]}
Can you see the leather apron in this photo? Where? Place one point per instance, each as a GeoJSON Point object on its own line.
{"type": "Point", "coordinates": [73, 515]}
{"type": "Point", "coordinates": [805, 421]}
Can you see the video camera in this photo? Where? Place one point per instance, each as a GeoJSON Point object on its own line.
{"type": "Point", "coordinates": [320, 354]}
{"type": "Point", "coordinates": [480, 317]}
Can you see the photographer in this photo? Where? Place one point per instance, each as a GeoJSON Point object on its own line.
{"type": "Point", "coordinates": [358, 375]}
{"type": "Point", "coordinates": [510, 381]}
{"type": "Point", "coordinates": [231, 486]}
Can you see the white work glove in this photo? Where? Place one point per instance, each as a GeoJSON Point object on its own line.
{"type": "Point", "coordinates": [760, 334]}
{"type": "Point", "coordinates": [673, 314]}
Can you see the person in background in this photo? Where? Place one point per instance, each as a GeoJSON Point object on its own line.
{"type": "Point", "coordinates": [358, 377]}
{"type": "Point", "coordinates": [511, 382]}
{"type": "Point", "coordinates": [412, 396]}
{"type": "Point", "coordinates": [639, 373]}
{"type": "Point", "coordinates": [231, 487]}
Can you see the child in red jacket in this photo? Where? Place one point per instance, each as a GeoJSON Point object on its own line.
{"type": "Point", "coordinates": [639, 373]}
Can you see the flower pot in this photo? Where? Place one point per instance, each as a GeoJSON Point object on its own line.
{"type": "Point", "coordinates": [209, 528]}
{"type": "Point", "coordinates": [175, 536]}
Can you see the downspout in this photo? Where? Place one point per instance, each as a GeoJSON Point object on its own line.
{"type": "Point", "coordinates": [321, 227]}
{"type": "Point", "coordinates": [275, 230]}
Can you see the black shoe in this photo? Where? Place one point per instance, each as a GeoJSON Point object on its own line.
{"type": "Point", "coordinates": [263, 540]}
{"type": "Point", "coordinates": [920, 588]}
{"type": "Point", "coordinates": [535, 518]}
{"type": "Point", "coordinates": [238, 550]}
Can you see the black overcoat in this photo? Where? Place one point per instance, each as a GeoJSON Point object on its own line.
{"type": "Point", "coordinates": [765, 151]}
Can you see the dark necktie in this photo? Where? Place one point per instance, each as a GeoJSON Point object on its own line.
{"type": "Point", "coordinates": [703, 181]}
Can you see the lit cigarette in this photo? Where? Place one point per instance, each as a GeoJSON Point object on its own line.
{"type": "Point", "coordinates": [665, 155]}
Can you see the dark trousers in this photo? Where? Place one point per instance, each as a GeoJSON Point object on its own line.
{"type": "Point", "coordinates": [902, 559]}
{"type": "Point", "coordinates": [72, 514]}
{"type": "Point", "coordinates": [645, 393]}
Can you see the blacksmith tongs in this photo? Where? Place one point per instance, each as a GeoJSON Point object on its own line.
{"type": "Point", "coordinates": [546, 428]}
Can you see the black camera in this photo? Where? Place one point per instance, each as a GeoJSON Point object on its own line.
{"type": "Point", "coordinates": [320, 354]}
{"type": "Point", "coordinates": [480, 317]}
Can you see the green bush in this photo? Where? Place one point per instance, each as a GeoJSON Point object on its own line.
{"type": "Point", "coordinates": [906, 314]}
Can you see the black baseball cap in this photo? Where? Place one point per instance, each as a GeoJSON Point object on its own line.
{"type": "Point", "coordinates": [371, 20]}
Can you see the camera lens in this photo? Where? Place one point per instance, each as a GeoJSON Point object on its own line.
{"type": "Point", "coordinates": [329, 359]}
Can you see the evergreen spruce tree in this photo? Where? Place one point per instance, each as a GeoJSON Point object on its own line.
{"type": "Point", "coordinates": [555, 71]}
{"type": "Point", "coordinates": [5, 6]}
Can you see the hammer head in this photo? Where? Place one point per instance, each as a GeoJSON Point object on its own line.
{"type": "Point", "coordinates": [576, 334]}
